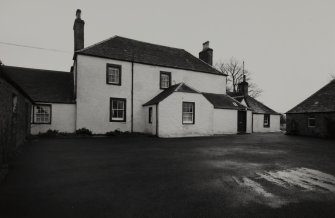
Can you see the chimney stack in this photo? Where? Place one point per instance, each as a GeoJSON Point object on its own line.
{"type": "Point", "coordinates": [243, 87]}
{"type": "Point", "coordinates": [78, 29]}
{"type": "Point", "coordinates": [206, 54]}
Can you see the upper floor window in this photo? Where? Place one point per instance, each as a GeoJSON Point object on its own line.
{"type": "Point", "coordinates": [311, 121]}
{"type": "Point", "coordinates": [165, 80]}
{"type": "Point", "coordinates": [42, 114]}
{"type": "Point", "coordinates": [117, 109]}
{"type": "Point", "coordinates": [113, 74]}
{"type": "Point", "coordinates": [14, 104]}
{"type": "Point", "coordinates": [266, 120]}
{"type": "Point", "coordinates": [188, 112]}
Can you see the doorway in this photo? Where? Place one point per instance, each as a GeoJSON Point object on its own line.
{"type": "Point", "coordinates": [242, 122]}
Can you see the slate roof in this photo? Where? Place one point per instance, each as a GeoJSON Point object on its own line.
{"type": "Point", "coordinates": [321, 101]}
{"type": "Point", "coordinates": [180, 87]}
{"type": "Point", "coordinates": [125, 49]}
{"type": "Point", "coordinates": [256, 106]}
{"type": "Point", "coordinates": [222, 101]}
{"type": "Point", "coordinates": [4, 75]}
{"type": "Point", "coordinates": [43, 85]}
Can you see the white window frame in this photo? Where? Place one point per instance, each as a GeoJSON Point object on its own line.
{"type": "Point", "coordinates": [188, 112]}
{"type": "Point", "coordinates": [118, 108]}
{"type": "Point", "coordinates": [113, 75]}
{"type": "Point", "coordinates": [42, 114]}
{"type": "Point", "coordinates": [165, 80]}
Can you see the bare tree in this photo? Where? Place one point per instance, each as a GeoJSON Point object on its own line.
{"type": "Point", "coordinates": [234, 69]}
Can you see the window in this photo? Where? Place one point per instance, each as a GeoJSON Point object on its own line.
{"type": "Point", "coordinates": [113, 74]}
{"type": "Point", "coordinates": [188, 112]}
{"type": "Point", "coordinates": [42, 114]}
{"type": "Point", "coordinates": [118, 110]}
{"type": "Point", "coordinates": [165, 80]}
{"type": "Point", "coordinates": [150, 114]}
{"type": "Point", "coordinates": [311, 121]}
{"type": "Point", "coordinates": [266, 120]}
{"type": "Point", "coordinates": [14, 104]}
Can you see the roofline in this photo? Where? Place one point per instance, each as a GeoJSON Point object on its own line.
{"type": "Point", "coordinates": [310, 96]}
{"type": "Point", "coordinates": [14, 84]}
{"type": "Point", "coordinates": [138, 62]}
{"type": "Point", "coordinates": [56, 102]}
{"type": "Point", "coordinates": [310, 112]}
{"type": "Point", "coordinates": [54, 71]}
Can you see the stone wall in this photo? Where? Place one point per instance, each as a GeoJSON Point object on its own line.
{"type": "Point", "coordinates": [297, 124]}
{"type": "Point", "coordinates": [14, 125]}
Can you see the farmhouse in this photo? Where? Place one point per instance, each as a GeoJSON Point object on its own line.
{"type": "Point", "coordinates": [315, 116]}
{"type": "Point", "coordinates": [129, 85]}
{"type": "Point", "coordinates": [264, 119]}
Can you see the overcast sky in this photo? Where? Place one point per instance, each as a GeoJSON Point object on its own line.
{"type": "Point", "coordinates": [288, 45]}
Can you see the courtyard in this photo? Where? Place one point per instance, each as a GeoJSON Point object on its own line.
{"type": "Point", "coordinates": [257, 175]}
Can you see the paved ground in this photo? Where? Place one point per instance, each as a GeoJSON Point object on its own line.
{"type": "Point", "coordinates": [259, 175]}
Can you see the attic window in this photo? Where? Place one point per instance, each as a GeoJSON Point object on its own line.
{"type": "Point", "coordinates": [234, 103]}
{"type": "Point", "coordinates": [113, 74]}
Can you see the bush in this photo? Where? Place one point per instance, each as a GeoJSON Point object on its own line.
{"type": "Point", "coordinates": [84, 131]}
{"type": "Point", "coordinates": [113, 133]}
{"type": "Point", "coordinates": [49, 133]}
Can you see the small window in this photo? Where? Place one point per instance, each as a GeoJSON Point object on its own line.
{"type": "Point", "coordinates": [188, 112]}
{"type": "Point", "coordinates": [266, 120]}
{"type": "Point", "coordinates": [234, 103]}
{"type": "Point", "coordinates": [165, 80]}
{"type": "Point", "coordinates": [14, 104]}
{"type": "Point", "coordinates": [117, 109]}
{"type": "Point", "coordinates": [42, 114]}
{"type": "Point", "coordinates": [311, 121]}
{"type": "Point", "coordinates": [113, 74]}
{"type": "Point", "coordinates": [150, 114]}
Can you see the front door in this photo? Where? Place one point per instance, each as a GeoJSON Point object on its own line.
{"type": "Point", "coordinates": [242, 121]}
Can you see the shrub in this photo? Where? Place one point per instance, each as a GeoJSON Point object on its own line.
{"type": "Point", "coordinates": [84, 131]}
{"type": "Point", "coordinates": [49, 133]}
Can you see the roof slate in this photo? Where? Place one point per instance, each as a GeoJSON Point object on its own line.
{"type": "Point", "coordinates": [222, 101]}
{"type": "Point", "coordinates": [43, 85]}
{"type": "Point", "coordinates": [321, 101]}
{"type": "Point", "coordinates": [121, 48]}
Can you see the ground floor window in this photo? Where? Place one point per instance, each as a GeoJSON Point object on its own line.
{"type": "Point", "coordinates": [117, 109]}
{"type": "Point", "coordinates": [311, 121]}
{"type": "Point", "coordinates": [42, 114]}
{"type": "Point", "coordinates": [188, 112]}
{"type": "Point", "coordinates": [150, 114]}
{"type": "Point", "coordinates": [266, 120]}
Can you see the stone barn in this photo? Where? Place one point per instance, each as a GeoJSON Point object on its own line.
{"type": "Point", "coordinates": [315, 116]}
{"type": "Point", "coordinates": [15, 109]}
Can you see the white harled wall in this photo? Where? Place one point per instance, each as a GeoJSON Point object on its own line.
{"type": "Point", "coordinates": [225, 121]}
{"type": "Point", "coordinates": [258, 123]}
{"type": "Point", "coordinates": [62, 119]}
{"type": "Point", "coordinates": [93, 93]}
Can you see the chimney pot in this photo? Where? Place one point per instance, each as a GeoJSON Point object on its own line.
{"type": "Point", "coordinates": [205, 45]}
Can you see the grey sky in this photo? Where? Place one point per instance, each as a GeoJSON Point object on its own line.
{"type": "Point", "coordinates": [288, 45]}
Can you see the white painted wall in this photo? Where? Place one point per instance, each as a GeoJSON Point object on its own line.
{"type": "Point", "coordinates": [150, 128]}
{"type": "Point", "coordinates": [93, 93]}
{"type": "Point", "coordinates": [249, 121]}
{"type": "Point", "coordinates": [225, 121]}
{"type": "Point", "coordinates": [170, 116]}
{"type": "Point", "coordinates": [258, 123]}
{"type": "Point", "coordinates": [62, 119]}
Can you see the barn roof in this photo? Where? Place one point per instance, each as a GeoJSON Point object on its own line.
{"type": "Point", "coordinates": [43, 85]}
{"type": "Point", "coordinates": [321, 101]}
{"type": "Point", "coordinates": [125, 49]}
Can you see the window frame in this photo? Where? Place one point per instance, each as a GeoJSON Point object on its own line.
{"type": "Point", "coordinates": [193, 113]}
{"type": "Point", "coordinates": [268, 124]}
{"type": "Point", "coordinates": [14, 103]}
{"type": "Point", "coordinates": [160, 78]}
{"type": "Point", "coordinates": [124, 109]}
{"type": "Point", "coordinates": [150, 115]}
{"type": "Point", "coordinates": [50, 115]}
{"type": "Point", "coordinates": [311, 117]}
{"type": "Point", "coordinates": [120, 74]}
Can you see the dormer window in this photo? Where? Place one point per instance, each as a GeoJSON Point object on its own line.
{"type": "Point", "coordinates": [165, 80]}
{"type": "Point", "coordinates": [113, 74]}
